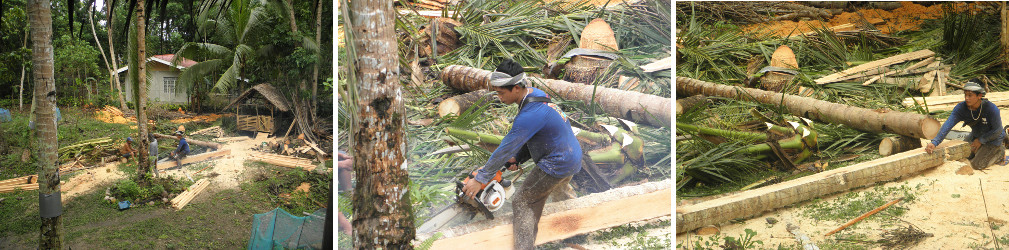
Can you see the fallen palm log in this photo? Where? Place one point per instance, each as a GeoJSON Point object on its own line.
{"type": "Point", "coordinates": [29, 179]}
{"type": "Point", "coordinates": [898, 144]}
{"type": "Point", "coordinates": [876, 64]}
{"type": "Point", "coordinates": [283, 160]}
{"type": "Point", "coordinates": [875, 121]}
{"type": "Point", "coordinates": [689, 103]}
{"type": "Point", "coordinates": [567, 218]}
{"type": "Point", "coordinates": [460, 103]}
{"type": "Point", "coordinates": [212, 145]}
{"type": "Point", "coordinates": [194, 159]}
{"type": "Point", "coordinates": [184, 198]}
{"type": "Point", "coordinates": [232, 139]}
{"type": "Point", "coordinates": [634, 106]}
{"type": "Point", "coordinates": [755, 202]}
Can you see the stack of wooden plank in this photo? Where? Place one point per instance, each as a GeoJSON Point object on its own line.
{"type": "Point", "coordinates": [214, 131]}
{"type": "Point", "coordinates": [283, 160]}
{"type": "Point", "coordinates": [928, 76]}
{"type": "Point", "coordinates": [24, 183]}
{"type": "Point", "coordinates": [950, 101]}
{"type": "Point", "coordinates": [185, 197]}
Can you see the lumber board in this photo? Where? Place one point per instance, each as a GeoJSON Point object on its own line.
{"type": "Point", "coordinates": [662, 64]}
{"type": "Point", "coordinates": [184, 198]}
{"type": "Point", "coordinates": [569, 223]}
{"type": "Point", "coordinates": [284, 163]}
{"type": "Point", "coordinates": [281, 157]}
{"type": "Point", "coordinates": [755, 202]}
{"type": "Point", "coordinates": [26, 187]}
{"type": "Point", "coordinates": [28, 179]}
{"type": "Point", "coordinates": [876, 64]}
{"type": "Point", "coordinates": [194, 158]}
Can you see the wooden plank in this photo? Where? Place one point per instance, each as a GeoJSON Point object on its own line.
{"type": "Point", "coordinates": [26, 187]}
{"type": "Point", "coordinates": [279, 160]}
{"type": "Point", "coordinates": [876, 64]}
{"type": "Point", "coordinates": [564, 224]}
{"type": "Point", "coordinates": [184, 198]}
{"type": "Point", "coordinates": [194, 159]}
{"type": "Point", "coordinates": [755, 202]}
{"type": "Point", "coordinates": [19, 180]}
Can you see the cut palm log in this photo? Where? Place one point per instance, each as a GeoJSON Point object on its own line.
{"type": "Point", "coordinates": [184, 198]}
{"type": "Point", "coordinates": [460, 103]}
{"type": "Point", "coordinates": [783, 57]}
{"type": "Point", "coordinates": [585, 69]}
{"type": "Point", "coordinates": [755, 202]}
{"type": "Point", "coordinates": [949, 101]}
{"type": "Point", "coordinates": [598, 35]}
{"type": "Point", "coordinates": [29, 179]}
{"type": "Point", "coordinates": [283, 160]}
{"type": "Point", "coordinates": [634, 106]}
{"type": "Point", "coordinates": [876, 121]}
{"type": "Point", "coordinates": [876, 64]}
{"type": "Point", "coordinates": [194, 158]}
{"type": "Point", "coordinates": [191, 141]}
{"type": "Point", "coordinates": [898, 144]}
{"type": "Point", "coordinates": [446, 37]}
{"type": "Point", "coordinates": [689, 103]}
{"type": "Point", "coordinates": [567, 218]}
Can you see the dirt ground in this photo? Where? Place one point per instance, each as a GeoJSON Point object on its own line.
{"type": "Point", "coordinates": [949, 206]}
{"type": "Point", "coordinates": [908, 17]}
{"type": "Point", "coordinates": [230, 169]}
{"type": "Point", "coordinates": [86, 180]}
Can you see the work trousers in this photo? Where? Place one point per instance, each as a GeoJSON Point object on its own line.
{"type": "Point", "coordinates": [528, 206]}
{"type": "Point", "coordinates": [987, 155]}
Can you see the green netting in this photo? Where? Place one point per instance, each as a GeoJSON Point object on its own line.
{"type": "Point", "coordinates": [278, 229]}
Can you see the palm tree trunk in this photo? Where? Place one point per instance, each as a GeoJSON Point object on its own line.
{"type": "Point", "coordinates": [108, 66]}
{"type": "Point", "coordinates": [21, 87]}
{"type": "Point", "coordinates": [318, 56]}
{"type": "Point", "coordinates": [51, 230]}
{"type": "Point", "coordinates": [382, 209]}
{"type": "Point", "coordinates": [1004, 38]}
{"type": "Point", "coordinates": [145, 165]}
{"type": "Point", "coordinates": [115, 65]}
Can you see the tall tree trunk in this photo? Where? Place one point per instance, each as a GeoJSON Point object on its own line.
{"type": "Point", "coordinates": [634, 106]}
{"type": "Point", "coordinates": [1004, 38]}
{"type": "Point", "coordinates": [108, 66]}
{"type": "Point", "coordinates": [50, 206]}
{"type": "Point", "coordinates": [318, 57]}
{"type": "Point", "coordinates": [115, 64]}
{"type": "Point", "coordinates": [875, 121]}
{"type": "Point", "coordinates": [382, 209]}
{"type": "Point", "coordinates": [145, 165]}
{"type": "Point", "coordinates": [21, 87]}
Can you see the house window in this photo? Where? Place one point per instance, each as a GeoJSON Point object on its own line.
{"type": "Point", "coordinates": [170, 85]}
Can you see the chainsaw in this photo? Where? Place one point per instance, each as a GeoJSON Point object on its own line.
{"type": "Point", "coordinates": [490, 198]}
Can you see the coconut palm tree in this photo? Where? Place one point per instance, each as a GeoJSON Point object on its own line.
{"type": "Point", "coordinates": [231, 25]}
{"type": "Point", "coordinates": [40, 19]}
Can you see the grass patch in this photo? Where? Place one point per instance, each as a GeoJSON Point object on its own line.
{"type": "Point", "coordinates": [853, 204]}
{"type": "Point", "coordinates": [278, 184]}
{"type": "Point", "coordinates": [720, 241]}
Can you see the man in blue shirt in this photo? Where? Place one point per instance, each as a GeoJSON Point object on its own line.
{"type": "Point", "coordinates": [182, 150]}
{"type": "Point", "coordinates": [542, 132]}
{"type": "Point", "coordinates": [985, 123]}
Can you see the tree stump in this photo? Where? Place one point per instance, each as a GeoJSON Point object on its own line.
{"type": "Point", "coordinates": [585, 69]}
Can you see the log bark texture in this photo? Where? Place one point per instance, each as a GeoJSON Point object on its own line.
{"type": "Point", "coordinates": [585, 69]}
{"type": "Point", "coordinates": [382, 205]}
{"type": "Point", "coordinates": [876, 121]}
{"type": "Point", "coordinates": [40, 23]}
{"type": "Point", "coordinates": [898, 144]}
{"type": "Point", "coordinates": [460, 103]}
{"type": "Point", "coordinates": [634, 106]}
{"type": "Point", "coordinates": [755, 202]}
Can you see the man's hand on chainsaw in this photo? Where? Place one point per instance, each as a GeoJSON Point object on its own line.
{"type": "Point", "coordinates": [471, 188]}
{"type": "Point", "coordinates": [513, 165]}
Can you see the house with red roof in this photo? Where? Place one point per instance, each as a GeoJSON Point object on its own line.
{"type": "Point", "coordinates": [162, 78]}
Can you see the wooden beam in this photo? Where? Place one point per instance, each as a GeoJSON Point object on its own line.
{"type": "Point", "coordinates": [191, 141]}
{"type": "Point", "coordinates": [19, 180]}
{"type": "Point", "coordinates": [194, 159]}
{"type": "Point", "coordinates": [568, 218]}
{"type": "Point", "coordinates": [876, 64]}
{"type": "Point", "coordinates": [26, 187]}
{"type": "Point", "coordinates": [184, 198]}
{"type": "Point", "coordinates": [755, 202]}
{"type": "Point", "coordinates": [283, 160]}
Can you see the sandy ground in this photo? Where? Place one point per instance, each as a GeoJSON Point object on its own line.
{"type": "Point", "coordinates": [949, 206]}
{"type": "Point", "coordinates": [86, 180]}
{"type": "Point", "coordinates": [230, 168]}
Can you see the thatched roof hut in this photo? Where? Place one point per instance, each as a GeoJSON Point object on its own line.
{"type": "Point", "coordinates": [269, 92]}
{"type": "Point", "coordinates": [260, 116]}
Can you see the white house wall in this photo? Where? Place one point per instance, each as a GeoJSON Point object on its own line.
{"type": "Point", "coordinates": [155, 90]}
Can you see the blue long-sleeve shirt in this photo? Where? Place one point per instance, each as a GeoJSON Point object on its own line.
{"type": "Point", "coordinates": [183, 146]}
{"type": "Point", "coordinates": [545, 131]}
{"type": "Point", "coordinates": [987, 128]}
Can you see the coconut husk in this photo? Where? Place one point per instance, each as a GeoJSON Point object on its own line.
{"type": "Point", "coordinates": [598, 35]}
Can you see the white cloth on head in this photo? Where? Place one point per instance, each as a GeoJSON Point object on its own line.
{"type": "Point", "coordinates": [498, 79]}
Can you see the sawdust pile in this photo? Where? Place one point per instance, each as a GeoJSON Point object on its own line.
{"type": "Point", "coordinates": [111, 114]}
{"type": "Point", "coordinates": [204, 118]}
{"type": "Point", "coordinates": [908, 17]}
